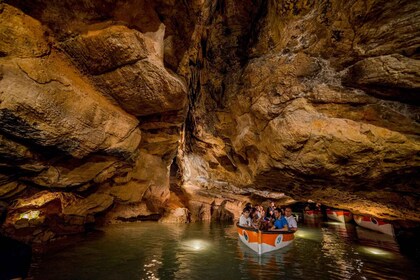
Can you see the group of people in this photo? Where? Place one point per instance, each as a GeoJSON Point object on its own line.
{"type": "Point", "coordinates": [275, 218]}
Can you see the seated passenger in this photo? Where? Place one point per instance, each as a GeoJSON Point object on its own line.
{"type": "Point", "coordinates": [245, 220]}
{"type": "Point", "coordinates": [291, 221]}
{"type": "Point", "coordinates": [280, 222]}
{"type": "Point", "coordinates": [256, 222]}
{"type": "Point", "coordinates": [258, 211]}
{"type": "Point", "coordinates": [270, 210]}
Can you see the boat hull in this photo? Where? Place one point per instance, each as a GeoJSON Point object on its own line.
{"type": "Point", "coordinates": [264, 241]}
{"type": "Point", "coordinates": [312, 214]}
{"type": "Point", "coordinates": [374, 224]}
{"type": "Point", "coordinates": [342, 216]}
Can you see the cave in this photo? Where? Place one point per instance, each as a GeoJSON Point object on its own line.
{"type": "Point", "coordinates": [181, 112]}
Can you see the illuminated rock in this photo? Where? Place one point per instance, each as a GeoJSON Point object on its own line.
{"type": "Point", "coordinates": [47, 215]}
{"type": "Point", "coordinates": [257, 100]}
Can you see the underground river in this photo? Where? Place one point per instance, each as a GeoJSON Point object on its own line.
{"type": "Point", "coordinates": [212, 251]}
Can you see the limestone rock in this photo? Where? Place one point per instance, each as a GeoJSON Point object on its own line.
{"type": "Point", "coordinates": [47, 215]}
{"type": "Point", "coordinates": [263, 99]}
{"type": "Point", "coordinates": [393, 76]}
{"type": "Point", "coordinates": [11, 189]}
{"type": "Point", "coordinates": [130, 212]}
{"type": "Point", "coordinates": [178, 215]}
{"type": "Point", "coordinates": [101, 51]}
{"type": "Point", "coordinates": [18, 158]}
{"type": "Point", "coordinates": [132, 191]}
{"type": "Point", "coordinates": [21, 35]}
{"type": "Point", "coordinates": [91, 205]}
{"type": "Point", "coordinates": [39, 105]}
{"type": "Point", "coordinates": [128, 66]}
{"type": "Point", "coordinates": [307, 106]}
{"type": "Point", "coordinates": [72, 173]}
{"type": "Point", "coordinates": [149, 174]}
{"type": "Point", "coordinates": [29, 217]}
{"type": "Point", "coordinates": [144, 88]}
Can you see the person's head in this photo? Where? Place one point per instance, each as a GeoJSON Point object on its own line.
{"type": "Point", "coordinates": [245, 212]}
{"type": "Point", "coordinates": [277, 213]}
{"type": "Point", "coordinates": [272, 203]}
{"type": "Point", "coordinates": [288, 212]}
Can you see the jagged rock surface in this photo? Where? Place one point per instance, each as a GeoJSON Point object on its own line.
{"type": "Point", "coordinates": [284, 100]}
{"type": "Point", "coordinates": [316, 99]}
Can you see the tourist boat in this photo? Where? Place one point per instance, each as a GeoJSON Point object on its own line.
{"type": "Point", "coordinates": [264, 241]}
{"type": "Point", "coordinates": [312, 214]}
{"type": "Point", "coordinates": [372, 238]}
{"type": "Point", "coordinates": [343, 216]}
{"type": "Point", "coordinates": [374, 224]}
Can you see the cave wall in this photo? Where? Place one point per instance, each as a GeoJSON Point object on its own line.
{"type": "Point", "coordinates": [315, 99]}
{"type": "Point", "coordinates": [90, 112]}
{"type": "Point", "coordinates": [251, 99]}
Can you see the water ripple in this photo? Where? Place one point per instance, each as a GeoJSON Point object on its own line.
{"type": "Point", "coordinates": [213, 251]}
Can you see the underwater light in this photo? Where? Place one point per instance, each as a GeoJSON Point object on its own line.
{"type": "Point", "coordinates": [300, 234]}
{"type": "Point", "coordinates": [376, 251]}
{"type": "Point", "coordinates": [196, 245]}
{"type": "Point", "coordinates": [334, 223]}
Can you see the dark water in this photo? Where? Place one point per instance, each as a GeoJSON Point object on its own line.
{"type": "Point", "coordinates": [212, 251]}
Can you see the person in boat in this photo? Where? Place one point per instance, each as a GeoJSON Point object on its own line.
{"type": "Point", "coordinates": [270, 210]}
{"type": "Point", "coordinates": [245, 219]}
{"type": "Point", "coordinates": [280, 223]}
{"type": "Point", "coordinates": [262, 212]}
{"type": "Point", "coordinates": [256, 222]}
{"type": "Point", "coordinates": [291, 221]}
{"type": "Point", "coordinates": [249, 206]}
{"type": "Point", "coordinates": [258, 211]}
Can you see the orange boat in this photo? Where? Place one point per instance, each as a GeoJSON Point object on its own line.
{"type": "Point", "coordinates": [264, 241]}
{"type": "Point", "coordinates": [343, 216]}
{"type": "Point", "coordinates": [312, 214]}
{"type": "Point", "coordinates": [374, 224]}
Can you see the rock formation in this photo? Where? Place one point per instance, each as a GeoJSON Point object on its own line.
{"type": "Point", "coordinates": [184, 110]}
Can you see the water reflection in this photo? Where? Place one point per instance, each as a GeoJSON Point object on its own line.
{"type": "Point", "coordinates": [312, 222]}
{"type": "Point", "coordinates": [213, 251]}
{"type": "Point", "coordinates": [377, 240]}
{"type": "Point", "coordinates": [309, 233]}
{"type": "Point", "coordinates": [341, 259]}
{"type": "Point", "coordinates": [265, 265]}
